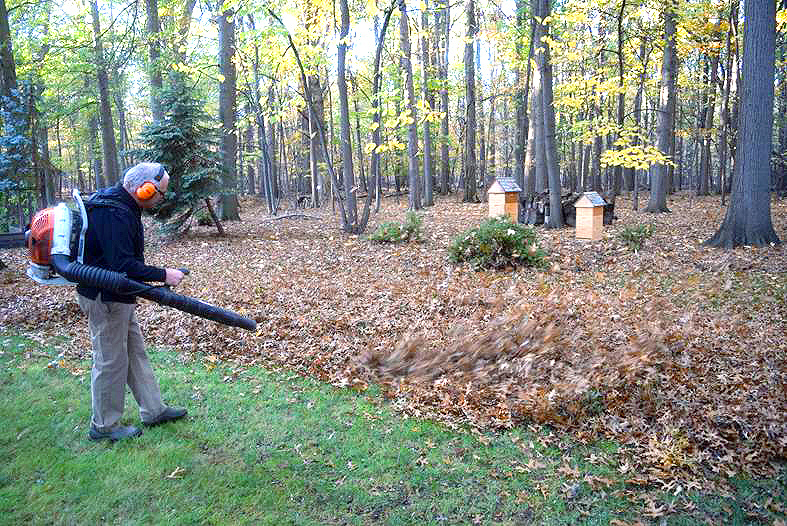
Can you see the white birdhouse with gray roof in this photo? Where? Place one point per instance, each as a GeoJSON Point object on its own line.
{"type": "Point", "coordinates": [590, 216]}
{"type": "Point", "coordinates": [504, 198]}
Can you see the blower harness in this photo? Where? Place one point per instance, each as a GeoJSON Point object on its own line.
{"type": "Point", "coordinates": [56, 243]}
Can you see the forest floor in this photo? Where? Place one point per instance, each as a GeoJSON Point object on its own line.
{"type": "Point", "coordinates": [675, 351]}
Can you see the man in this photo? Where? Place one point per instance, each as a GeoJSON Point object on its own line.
{"type": "Point", "coordinates": [114, 241]}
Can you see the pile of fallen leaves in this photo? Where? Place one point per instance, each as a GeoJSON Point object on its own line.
{"type": "Point", "coordinates": [677, 350]}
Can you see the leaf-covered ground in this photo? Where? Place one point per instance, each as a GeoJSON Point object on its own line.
{"type": "Point", "coordinates": [677, 351]}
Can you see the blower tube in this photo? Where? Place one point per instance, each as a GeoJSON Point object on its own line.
{"type": "Point", "coordinates": [120, 284]}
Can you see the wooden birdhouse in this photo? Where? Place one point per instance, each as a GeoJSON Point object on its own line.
{"type": "Point", "coordinates": [504, 198]}
{"type": "Point", "coordinates": [590, 216]}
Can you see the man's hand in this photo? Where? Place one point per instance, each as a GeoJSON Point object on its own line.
{"type": "Point", "coordinates": [173, 276]}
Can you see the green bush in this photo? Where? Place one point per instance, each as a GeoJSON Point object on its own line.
{"type": "Point", "coordinates": [393, 232]}
{"type": "Point", "coordinates": [634, 236]}
{"type": "Point", "coordinates": [497, 243]}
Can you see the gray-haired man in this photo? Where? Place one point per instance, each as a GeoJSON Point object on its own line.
{"type": "Point", "coordinates": [114, 240]}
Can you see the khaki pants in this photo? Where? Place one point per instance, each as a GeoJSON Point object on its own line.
{"type": "Point", "coordinates": [119, 359]}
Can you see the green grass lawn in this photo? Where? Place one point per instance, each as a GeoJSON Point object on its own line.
{"type": "Point", "coordinates": [265, 447]}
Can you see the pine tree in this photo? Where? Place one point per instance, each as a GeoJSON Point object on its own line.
{"type": "Point", "coordinates": [186, 145]}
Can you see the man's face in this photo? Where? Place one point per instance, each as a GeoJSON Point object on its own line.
{"type": "Point", "coordinates": [159, 197]}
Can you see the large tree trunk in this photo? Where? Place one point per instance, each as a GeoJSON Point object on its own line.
{"type": "Point", "coordinates": [748, 219]}
{"type": "Point", "coordinates": [550, 141]}
{"type": "Point", "coordinates": [471, 190]}
{"type": "Point", "coordinates": [414, 199]}
{"type": "Point", "coordinates": [666, 114]}
{"type": "Point", "coordinates": [344, 122]}
{"type": "Point", "coordinates": [428, 177]}
{"type": "Point", "coordinates": [109, 148]}
{"type": "Point", "coordinates": [153, 28]}
{"type": "Point", "coordinates": [7, 66]}
{"type": "Point", "coordinates": [229, 207]}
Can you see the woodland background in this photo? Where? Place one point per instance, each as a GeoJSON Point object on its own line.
{"type": "Point", "coordinates": [338, 103]}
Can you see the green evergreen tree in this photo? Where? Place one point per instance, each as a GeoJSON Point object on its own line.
{"type": "Point", "coordinates": [186, 144]}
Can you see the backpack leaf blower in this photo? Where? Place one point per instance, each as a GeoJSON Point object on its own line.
{"type": "Point", "coordinates": [56, 243]}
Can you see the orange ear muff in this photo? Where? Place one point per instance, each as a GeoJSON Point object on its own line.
{"type": "Point", "coordinates": [146, 191]}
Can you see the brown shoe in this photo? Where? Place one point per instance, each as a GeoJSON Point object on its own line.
{"type": "Point", "coordinates": [169, 414]}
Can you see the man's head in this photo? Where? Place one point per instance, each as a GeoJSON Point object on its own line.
{"type": "Point", "coordinates": [147, 183]}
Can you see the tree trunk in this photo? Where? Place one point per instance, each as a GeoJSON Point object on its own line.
{"type": "Point", "coordinates": [445, 160]}
{"type": "Point", "coordinates": [344, 121]}
{"type": "Point", "coordinates": [550, 141]}
{"type": "Point", "coordinates": [229, 207]}
{"type": "Point", "coordinates": [122, 124]}
{"type": "Point", "coordinates": [414, 200]}
{"type": "Point", "coordinates": [732, 36]}
{"type": "Point", "coordinates": [153, 28]}
{"type": "Point", "coordinates": [8, 74]}
{"type": "Point", "coordinates": [618, 177]}
{"type": "Point", "coordinates": [315, 123]}
{"type": "Point", "coordinates": [358, 147]}
{"type": "Point", "coordinates": [374, 169]}
{"type": "Point", "coordinates": [482, 175]}
{"type": "Point", "coordinates": [428, 177]}
{"type": "Point", "coordinates": [109, 148]}
{"type": "Point", "coordinates": [491, 142]}
{"type": "Point", "coordinates": [666, 114]}
{"type": "Point", "coordinates": [471, 191]}
{"type": "Point", "coordinates": [748, 219]}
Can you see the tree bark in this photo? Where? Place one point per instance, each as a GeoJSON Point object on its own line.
{"type": "Point", "coordinates": [445, 160]}
{"type": "Point", "coordinates": [748, 219]}
{"type": "Point", "coordinates": [482, 175]}
{"type": "Point", "coordinates": [471, 190]}
{"type": "Point", "coordinates": [414, 200]}
{"type": "Point", "coordinates": [666, 115]}
{"type": "Point", "coordinates": [229, 207]}
{"type": "Point", "coordinates": [344, 121]}
{"type": "Point", "coordinates": [725, 106]}
{"type": "Point", "coordinates": [374, 169]}
{"type": "Point", "coordinates": [428, 177]}
{"type": "Point", "coordinates": [109, 147]}
{"type": "Point", "coordinates": [8, 81]}
{"type": "Point", "coordinates": [618, 177]}
{"type": "Point", "coordinates": [153, 28]}
{"type": "Point", "coordinates": [550, 141]}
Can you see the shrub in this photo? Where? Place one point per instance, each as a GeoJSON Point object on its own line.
{"type": "Point", "coordinates": [497, 243]}
{"type": "Point", "coordinates": [393, 232]}
{"type": "Point", "coordinates": [634, 236]}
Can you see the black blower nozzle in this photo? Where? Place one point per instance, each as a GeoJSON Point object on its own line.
{"type": "Point", "coordinates": [120, 284]}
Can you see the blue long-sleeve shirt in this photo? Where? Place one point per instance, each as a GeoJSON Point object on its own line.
{"type": "Point", "coordinates": [115, 241]}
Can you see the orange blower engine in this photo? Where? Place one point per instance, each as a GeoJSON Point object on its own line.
{"type": "Point", "coordinates": [58, 230]}
{"type": "Point", "coordinates": [56, 242]}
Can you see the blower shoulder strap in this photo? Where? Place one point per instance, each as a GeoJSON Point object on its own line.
{"type": "Point", "coordinates": [95, 202]}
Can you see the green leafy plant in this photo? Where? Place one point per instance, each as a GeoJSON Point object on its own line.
{"type": "Point", "coordinates": [497, 243]}
{"type": "Point", "coordinates": [634, 236]}
{"type": "Point", "coordinates": [393, 232]}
